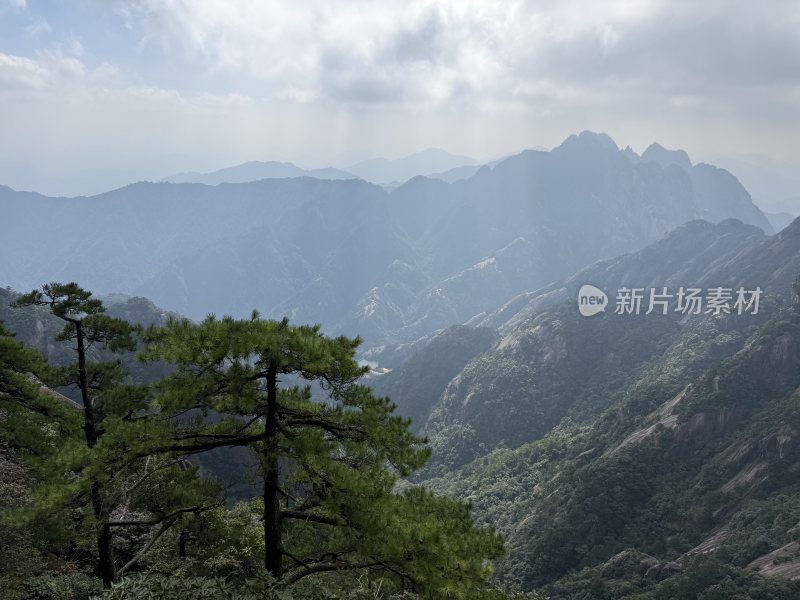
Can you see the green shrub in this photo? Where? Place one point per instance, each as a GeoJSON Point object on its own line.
{"type": "Point", "coordinates": [159, 587]}
{"type": "Point", "coordinates": [71, 586]}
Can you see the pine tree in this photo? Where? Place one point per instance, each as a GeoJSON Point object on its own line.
{"type": "Point", "coordinates": [330, 453]}
{"type": "Point", "coordinates": [105, 463]}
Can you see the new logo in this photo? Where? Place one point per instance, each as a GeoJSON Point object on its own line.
{"type": "Point", "coordinates": [591, 300]}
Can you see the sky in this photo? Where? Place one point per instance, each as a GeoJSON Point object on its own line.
{"type": "Point", "coordinates": [95, 94]}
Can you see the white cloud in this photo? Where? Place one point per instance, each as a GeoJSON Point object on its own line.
{"type": "Point", "coordinates": [55, 77]}
{"type": "Point", "coordinates": [75, 48]}
{"type": "Point", "coordinates": [38, 27]}
{"type": "Point", "coordinates": [50, 72]}
{"type": "Point", "coordinates": [220, 82]}
{"type": "Point", "coordinates": [478, 53]}
{"type": "Point", "coordinates": [405, 51]}
{"type": "Point", "coordinates": [20, 73]}
{"type": "Point", "coordinates": [18, 3]}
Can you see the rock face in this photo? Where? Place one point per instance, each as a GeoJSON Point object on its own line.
{"type": "Point", "coordinates": [783, 562]}
{"type": "Point", "coordinates": [697, 253]}
{"type": "Point", "coordinates": [541, 371]}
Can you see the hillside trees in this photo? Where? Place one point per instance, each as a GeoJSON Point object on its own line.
{"type": "Point", "coordinates": [33, 419]}
{"type": "Point", "coordinates": [111, 476]}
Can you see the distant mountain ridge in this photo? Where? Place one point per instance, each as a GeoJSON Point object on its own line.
{"type": "Point", "coordinates": [388, 171]}
{"type": "Point", "coordinates": [392, 266]}
{"type": "Point", "coordinates": [255, 170]}
{"type": "Point", "coordinates": [432, 162]}
{"type": "Point", "coordinates": [715, 189]}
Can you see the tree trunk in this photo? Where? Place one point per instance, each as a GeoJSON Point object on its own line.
{"type": "Point", "coordinates": [273, 553]}
{"type": "Point", "coordinates": [83, 383]}
{"type": "Point", "coordinates": [105, 546]}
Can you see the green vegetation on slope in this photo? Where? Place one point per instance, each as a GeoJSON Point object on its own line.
{"type": "Point", "coordinates": [698, 454]}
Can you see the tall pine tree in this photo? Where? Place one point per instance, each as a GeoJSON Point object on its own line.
{"type": "Point", "coordinates": [330, 453]}
{"type": "Point", "coordinates": [105, 465]}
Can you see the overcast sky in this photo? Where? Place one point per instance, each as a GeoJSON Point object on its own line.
{"type": "Point", "coordinates": [97, 93]}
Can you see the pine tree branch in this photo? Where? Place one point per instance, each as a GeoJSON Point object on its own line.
{"type": "Point", "coordinates": [215, 442]}
{"type": "Point", "coordinates": [195, 448]}
{"type": "Point", "coordinates": [165, 526]}
{"type": "Point", "coordinates": [338, 430]}
{"type": "Point", "coordinates": [302, 515]}
{"type": "Point", "coordinates": [166, 517]}
{"type": "Point", "coordinates": [321, 567]}
{"type": "Point", "coordinates": [152, 472]}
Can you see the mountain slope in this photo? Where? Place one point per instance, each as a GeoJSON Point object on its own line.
{"type": "Point", "coordinates": [698, 253]}
{"type": "Point", "coordinates": [685, 462]}
{"type": "Point", "coordinates": [551, 363]}
{"type": "Point", "coordinates": [679, 476]}
{"type": "Point", "coordinates": [416, 385]}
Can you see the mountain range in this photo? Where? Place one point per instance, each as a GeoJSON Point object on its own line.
{"type": "Point", "coordinates": [255, 170]}
{"type": "Point", "coordinates": [433, 162]}
{"type": "Point", "coordinates": [392, 266]}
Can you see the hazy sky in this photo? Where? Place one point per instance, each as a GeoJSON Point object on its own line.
{"type": "Point", "coordinates": [96, 93]}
